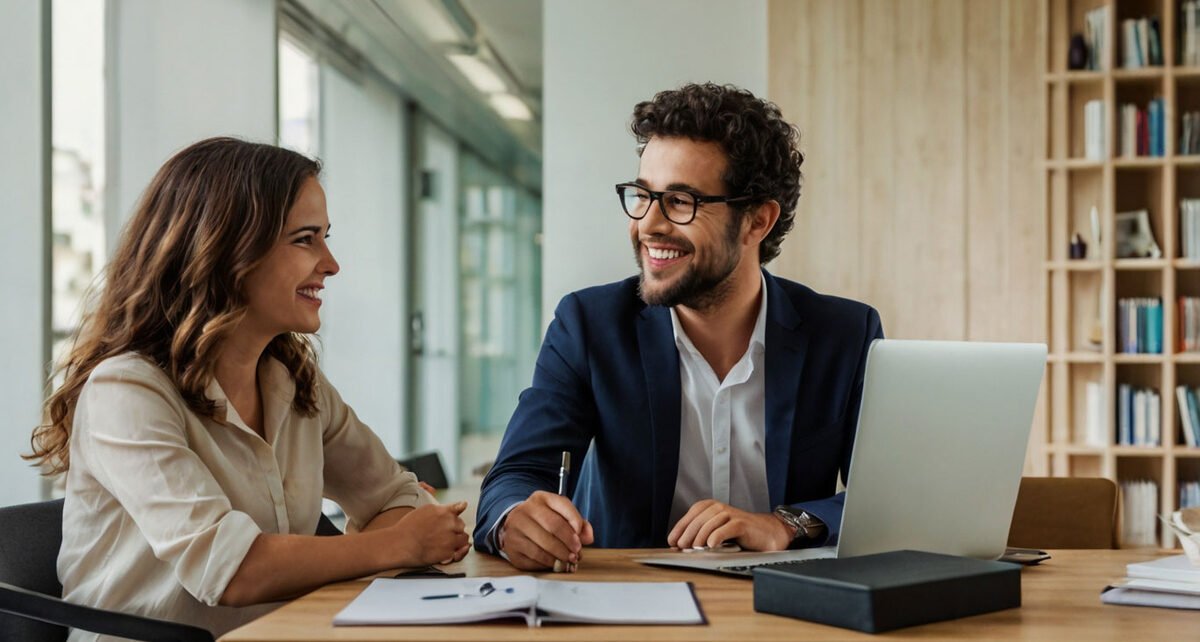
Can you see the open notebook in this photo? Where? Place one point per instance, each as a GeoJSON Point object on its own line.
{"type": "Point", "coordinates": [445, 601]}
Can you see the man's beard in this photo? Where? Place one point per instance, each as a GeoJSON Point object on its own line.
{"type": "Point", "coordinates": [701, 287]}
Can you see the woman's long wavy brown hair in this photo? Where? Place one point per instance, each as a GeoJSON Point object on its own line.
{"type": "Point", "coordinates": [174, 289]}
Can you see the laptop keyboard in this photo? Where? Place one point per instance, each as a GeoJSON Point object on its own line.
{"type": "Point", "coordinates": [748, 569]}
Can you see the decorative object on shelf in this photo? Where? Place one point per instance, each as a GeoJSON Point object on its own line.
{"type": "Point", "coordinates": [1077, 248]}
{"type": "Point", "coordinates": [1135, 237]}
{"type": "Point", "coordinates": [1095, 337]}
{"type": "Point", "coordinates": [1095, 217]}
{"type": "Point", "coordinates": [1077, 55]}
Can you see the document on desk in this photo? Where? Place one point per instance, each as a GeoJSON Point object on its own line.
{"type": "Point", "coordinates": [447, 601]}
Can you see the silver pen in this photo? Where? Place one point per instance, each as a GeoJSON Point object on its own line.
{"type": "Point", "coordinates": [564, 472]}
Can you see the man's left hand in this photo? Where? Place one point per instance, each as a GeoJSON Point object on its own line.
{"type": "Point", "coordinates": [711, 523]}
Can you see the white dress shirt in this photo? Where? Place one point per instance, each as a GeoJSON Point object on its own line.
{"type": "Point", "coordinates": [162, 505]}
{"type": "Point", "coordinates": [722, 427]}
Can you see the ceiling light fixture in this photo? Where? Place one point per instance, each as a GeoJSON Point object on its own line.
{"type": "Point", "coordinates": [479, 73]}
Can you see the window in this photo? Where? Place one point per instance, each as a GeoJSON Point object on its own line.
{"type": "Point", "coordinates": [299, 102]}
{"type": "Point", "coordinates": [78, 181]}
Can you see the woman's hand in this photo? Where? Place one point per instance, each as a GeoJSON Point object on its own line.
{"type": "Point", "coordinates": [432, 534]}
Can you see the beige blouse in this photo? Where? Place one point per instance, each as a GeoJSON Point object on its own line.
{"type": "Point", "coordinates": [162, 505]}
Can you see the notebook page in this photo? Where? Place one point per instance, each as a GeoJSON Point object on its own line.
{"type": "Point", "coordinates": [619, 602]}
{"type": "Point", "coordinates": [399, 601]}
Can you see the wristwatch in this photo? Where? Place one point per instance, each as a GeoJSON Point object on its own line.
{"type": "Point", "coordinates": [806, 526]}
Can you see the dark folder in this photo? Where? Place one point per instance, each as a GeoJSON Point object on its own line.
{"type": "Point", "coordinates": [886, 591]}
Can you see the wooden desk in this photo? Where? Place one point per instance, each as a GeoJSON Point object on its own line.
{"type": "Point", "coordinates": [1061, 601]}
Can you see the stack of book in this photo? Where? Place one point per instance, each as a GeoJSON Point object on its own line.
{"type": "Point", "coordinates": [1141, 46]}
{"type": "Point", "coordinates": [1189, 33]}
{"type": "Point", "coordinates": [1142, 131]}
{"type": "Point", "coordinates": [1189, 414]}
{"type": "Point", "coordinates": [1171, 582]}
{"type": "Point", "coordinates": [1139, 325]}
{"type": "Point", "coordinates": [1189, 323]}
{"type": "Point", "coordinates": [1095, 28]}
{"type": "Point", "coordinates": [1189, 133]}
{"type": "Point", "coordinates": [1139, 506]}
{"type": "Point", "coordinates": [1139, 416]}
{"type": "Point", "coordinates": [1094, 147]}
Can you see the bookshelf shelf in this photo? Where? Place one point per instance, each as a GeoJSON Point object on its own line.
{"type": "Point", "coordinates": [1084, 311]}
{"type": "Point", "coordinates": [1079, 265]}
{"type": "Point", "coordinates": [1140, 264]}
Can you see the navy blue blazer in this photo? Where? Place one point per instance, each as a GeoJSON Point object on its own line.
{"type": "Point", "coordinates": [606, 384]}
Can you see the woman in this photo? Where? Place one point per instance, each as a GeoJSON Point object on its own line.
{"type": "Point", "coordinates": [196, 432]}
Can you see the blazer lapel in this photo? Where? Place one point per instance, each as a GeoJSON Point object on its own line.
{"type": "Point", "coordinates": [785, 349]}
{"type": "Point", "coordinates": [660, 366]}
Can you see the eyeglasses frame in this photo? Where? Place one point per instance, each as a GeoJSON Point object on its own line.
{"type": "Point", "coordinates": [698, 200]}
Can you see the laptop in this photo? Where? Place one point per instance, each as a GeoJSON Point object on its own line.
{"type": "Point", "coordinates": [937, 459]}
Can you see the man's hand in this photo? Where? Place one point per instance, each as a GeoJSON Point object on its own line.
{"type": "Point", "coordinates": [710, 523]}
{"type": "Point", "coordinates": [544, 528]}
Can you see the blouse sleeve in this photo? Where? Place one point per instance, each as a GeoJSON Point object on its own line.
{"type": "Point", "coordinates": [360, 475]}
{"type": "Point", "coordinates": [131, 432]}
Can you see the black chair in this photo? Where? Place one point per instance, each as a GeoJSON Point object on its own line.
{"type": "Point", "coordinates": [428, 468]}
{"type": "Point", "coordinates": [31, 605]}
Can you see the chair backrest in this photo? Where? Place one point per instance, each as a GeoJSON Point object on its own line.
{"type": "Point", "coordinates": [428, 468]}
{"type": "Point", "coordinates": [30, 536]}
{"type": "Point", "coordinates": [1065, 512]}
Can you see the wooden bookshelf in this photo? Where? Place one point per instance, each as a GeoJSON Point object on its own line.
{"type": "Point", "coordinates": [1083, 294]}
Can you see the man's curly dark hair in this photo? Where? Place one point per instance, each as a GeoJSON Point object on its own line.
{"type": "Point", "coordinates": [761, 149]}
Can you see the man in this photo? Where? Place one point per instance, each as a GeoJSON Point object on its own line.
{"type": "Point", "coordinates": [715, 402]}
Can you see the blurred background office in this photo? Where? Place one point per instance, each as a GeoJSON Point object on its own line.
{"type": "Point", "coordinates": [470, 148]}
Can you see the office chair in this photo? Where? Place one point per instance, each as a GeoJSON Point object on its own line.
{"type": "Point", "coordinates": [1065, 512]}
{"type": "Point", "coordinates": [428, 468]}
{"type": "Point", "coordinates": [31, 608]}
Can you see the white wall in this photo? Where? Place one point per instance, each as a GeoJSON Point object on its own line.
{"type": "Point", "coordinates": [21, 244]}
{"type": "Point", "coordinates": [601, 58]}
{"type": "Point", "coordinates": [181, 71]}
{"type": "Point", "coordinates": [364, 329]}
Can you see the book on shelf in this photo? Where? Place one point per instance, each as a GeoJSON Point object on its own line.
{"type": "Point", "coordinates": [1142, 44]}
{"type": "Point", "coordinates": [1189, 324]}
{"type": "Point", "coordinates": [1189, 133]}
{"type": "Point", "coordinates": [1139, 325]}
{"type": "Point", "coordinates": [1095, 36]}
{"type": "Point", "coordinates": [1189, 415]}
{"type": "Point", "coordinates": [1139, 505]}
{"type": "Point", "coordinates": [1168, 582]}
{"type": "Point", "coordinates": [1142, 131]}
{"type": "Point", "coordinates": [1139, 416]}
{"type": "Point", "coordinates": [1095, 433]}
{"type": "Point", "coordinates": [1093, 126]}
{"type": "Point", "coordinates": [1189, 32]}
{"type": "Point", "coordinates": [1189, 223]}
{"type": "Point", "coordinates": [1189, 494]}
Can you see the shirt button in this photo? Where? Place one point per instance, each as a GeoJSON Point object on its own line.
{"type": "Point", "coordinates": [721, 450]}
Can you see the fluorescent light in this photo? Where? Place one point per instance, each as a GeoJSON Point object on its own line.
{"type": "Point", "coordinates": [511, 107]}
{"type": "Point", "coordinates": [479, 73]}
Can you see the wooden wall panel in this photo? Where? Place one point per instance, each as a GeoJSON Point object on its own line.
{"type": "Point", "coordinates": [921, 123]}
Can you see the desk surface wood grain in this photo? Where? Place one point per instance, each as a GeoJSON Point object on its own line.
{"type": "Point", "coordinates": [1061, 601]}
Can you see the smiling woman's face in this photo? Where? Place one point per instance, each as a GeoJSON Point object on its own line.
{"type": "Point", "coordinates": [284, 291]}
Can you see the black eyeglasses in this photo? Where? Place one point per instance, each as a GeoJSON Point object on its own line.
{"type": "Point", "coordinates": [679, 207]}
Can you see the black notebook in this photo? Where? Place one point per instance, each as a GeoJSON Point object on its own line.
{"type": "Point", "coordinates": [886, 591]}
